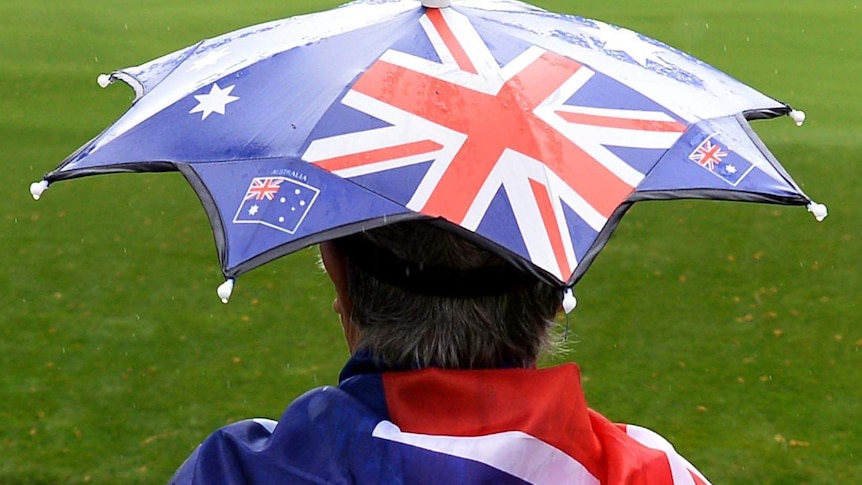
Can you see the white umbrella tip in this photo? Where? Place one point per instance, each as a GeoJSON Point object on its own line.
{"type": "Point", "coordinates": [225, 290]}
{"type": "Point", "coordinates": [104, 80]}
{"type": "Point", "coordinates": [436, 3]}
{"type": "Point", "coordinates": [798, 117]}
{"type": "Point", "coordinates": [569, 300]}
{"type": "Point", "coordinates": [819, 210]}
{"type": "Point", "coordinates": [38, 188]}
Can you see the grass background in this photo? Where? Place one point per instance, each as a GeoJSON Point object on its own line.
{"type": "Point", "coordinates": [730, 328]}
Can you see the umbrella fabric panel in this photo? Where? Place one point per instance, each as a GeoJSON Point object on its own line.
{"type": "Point", "coordinates": [265, 109]}
{"type": "Point", "coordinates": [680, 82]}
{"type": "Point", "coordinates": [266, 209]}
{"type": "Point", "coordinates": [724, 159]}
{"type": "Point", "coordinates": [212, 59]}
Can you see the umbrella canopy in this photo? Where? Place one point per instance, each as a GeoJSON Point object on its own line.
{"type": "Point", "coordinates": [528, 132]}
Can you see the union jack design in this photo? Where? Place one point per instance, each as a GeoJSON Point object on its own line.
{"type": "Point", "coordinates": [708, 155]}
{"type": "Point", "coordinates": [487, 129]}
{"type": "Point", "coordinates": [263, 188]}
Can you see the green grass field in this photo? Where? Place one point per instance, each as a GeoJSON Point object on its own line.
{"type": "Point", "coordinates": [730, 328]}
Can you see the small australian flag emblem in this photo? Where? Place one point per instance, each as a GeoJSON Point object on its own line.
{"type": "Point", "coordinates": [277, 202]}
{"type": "Point", "coordinates": [722, 162]}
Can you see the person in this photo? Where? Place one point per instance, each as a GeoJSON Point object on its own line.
{"type": "Point", "coordinates": [442, 384]}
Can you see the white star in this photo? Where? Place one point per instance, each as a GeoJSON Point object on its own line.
{"type": "Point", "coordinates": [253, 210]}
{"type": "Point", "coordinates": [730, 169]}
{"type": "Point", "coordinates": [208, 59]}
{"type": "Point", "coordinates": [214, 102]}
{"type": "Point", "coordinates": [626, 41]}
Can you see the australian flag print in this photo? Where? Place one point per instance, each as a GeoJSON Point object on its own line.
{"type": "Point", "coordinates": [277, 202]}
{"type": "Point", "coordinates": [712, 155]}
{"type": "Point", "coordinates": [531, 132]}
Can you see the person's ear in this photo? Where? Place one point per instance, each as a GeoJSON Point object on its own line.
{"type": "Point", "coordinates": [335, 264]}
{"type": "Point", "coordinates": [336, 267]}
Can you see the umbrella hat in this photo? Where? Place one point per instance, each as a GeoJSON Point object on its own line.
{"type": "Point", "coordinates": [528, 132]}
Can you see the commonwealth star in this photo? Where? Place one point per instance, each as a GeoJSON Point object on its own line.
{"type": "Point", "coordinates": [214, 102]}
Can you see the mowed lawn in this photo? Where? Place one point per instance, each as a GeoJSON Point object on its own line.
{"type": "Point", "coordinates": [730, 328]}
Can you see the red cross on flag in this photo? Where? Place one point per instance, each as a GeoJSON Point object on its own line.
{"type": "Point", "coordinates": [488, 126]}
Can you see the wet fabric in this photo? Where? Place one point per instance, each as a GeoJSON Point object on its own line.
{"type": "Point", "coordinates": [432, 426]}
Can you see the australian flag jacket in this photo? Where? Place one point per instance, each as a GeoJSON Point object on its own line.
{"type": "Point", "coordinates": [435, 426]}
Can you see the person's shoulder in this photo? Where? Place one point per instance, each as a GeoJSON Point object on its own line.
{"type": "Point", "coordinates": [636, 454]}
{"type": "Point", "coordinates": [246, 430]}
{"type": "Point", "coordinates": [252, 430]}
{"type": "Point", "coordinates": [229, 446]}
{"type": "Point", "coordinates": [263, 445]}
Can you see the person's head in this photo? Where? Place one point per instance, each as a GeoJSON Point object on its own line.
{"type": "Point", "coordinates": [411, 293]}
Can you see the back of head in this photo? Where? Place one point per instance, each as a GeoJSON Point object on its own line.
{"type": "Point", "coordinates": [424, 296]}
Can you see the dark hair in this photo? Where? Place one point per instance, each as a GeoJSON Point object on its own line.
{"type": "Point", "coordinates": [424, 296]}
